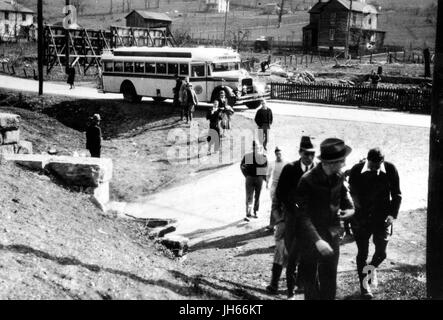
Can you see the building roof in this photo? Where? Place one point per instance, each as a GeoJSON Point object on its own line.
{"type": "Point", "coordinates": [357, 6]}
{"type": "Point", "coordinates": [5, 5]}
{"type": "Point", "coordinates": [318, 7]}
{"type": "Point", "coordinates": [151, 15]}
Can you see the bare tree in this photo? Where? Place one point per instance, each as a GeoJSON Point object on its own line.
{"type": "Point", "coordinates": [80, 5]}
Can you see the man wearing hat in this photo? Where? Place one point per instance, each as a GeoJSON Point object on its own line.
{"type": "Point", "coordinates": [322, 200]}
{"type": "Point", "coordinates": [191, 101]}
{"type": "Point", "coordinates": [94, 136]}
{"type": "Point", "coordinates": [285, 194]}
{"type": "Point", "coordinates": [375, 189]}
{"type": "Point", "coordinates": [176, 91]}
{"type": "Point", "coordinates": [254, 167]}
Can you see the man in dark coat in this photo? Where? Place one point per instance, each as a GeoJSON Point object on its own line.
{"type": "Point", "coordinates": [264, 119]}
{"type": "Point", "coordinates": [214, 117]}
{"type": "Point", "coordinates": [94, 136]}
{"type": "Point", "coordinates": [176, 91]}
{"type": "Point", "coordinates": [254, 167]}
{"type": "Point", "coordinates": [375, 189]}
{"type": "Point", "coordinates": [286, 188]}
{"type": "Point", "coordinates": [322, 200]}
{"type": "Point", "coordinates": [71, 76]}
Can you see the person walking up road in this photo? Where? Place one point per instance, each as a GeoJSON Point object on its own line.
{"type": "Point", "coordinates": [286, 195]}
{"type": "Point", "coordinates": [254, 168]}
{"type": "Point", "coordinates": [191, 101]}
{"type": "Point", "coordinates": [375, 189]}
{"type": "Point", "coordinates": [322, 201]}
{"type": "Point", "coordinates": [264, 119]}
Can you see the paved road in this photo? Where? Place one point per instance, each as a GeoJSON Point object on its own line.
{"type": "Point", "coordinates": [278, 107]}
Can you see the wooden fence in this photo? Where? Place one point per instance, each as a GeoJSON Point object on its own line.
{"type": "Point", "coordinates": [412, 100]}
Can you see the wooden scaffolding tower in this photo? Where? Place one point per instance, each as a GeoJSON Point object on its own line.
{"type": "Point", "coordinates": [87, 45]}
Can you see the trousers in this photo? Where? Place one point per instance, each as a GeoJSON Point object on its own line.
{"type": "Point", "coordinates": [253, 189]}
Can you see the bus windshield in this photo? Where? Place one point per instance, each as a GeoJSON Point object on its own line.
{"type": "Point", "coordinates": [225, 66]}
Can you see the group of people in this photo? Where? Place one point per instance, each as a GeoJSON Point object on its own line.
{"type": "Point", "coordinates": [311, 198]}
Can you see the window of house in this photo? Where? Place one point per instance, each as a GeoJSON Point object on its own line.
{"type": "Point", "coordinates": [173, 68]}
{"type": "Point", "coordinates": [23, 17]}
{"type": "Point", "coordinates": [139, 67]}
{"type": "Point", "coordinates": [332, 18]}
{"type": "Point", "coordinates": [118, 66]}
{"type": "Point", "coordinates": [198, 70]}
{"type": "Point", "coordinates": [109, 66]}
{"type": "Point", "coordinates": [332, 34]}
{"type": "Point", "coordinates": [129, 67]}
{"type": "Point", "coordinates": [184, 69]}
{"type": "Point", "coordinates": [161, 68]}
{"type": "Point", "coordinates": [354, 19]}
{"type": "Point", "coordinates": [6, 28]}
{"type": "Point", "coordinates": [6, 15]}
{"type": "Point", "coordinates": [370, 21]}
{"type": "Point", "coordinates": [150, 67]}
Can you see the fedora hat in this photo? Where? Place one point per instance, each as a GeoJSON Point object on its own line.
{"type": "Point", "coordinates": [306, 144]}
{"type": "Point", "coordinates": [333, 149]}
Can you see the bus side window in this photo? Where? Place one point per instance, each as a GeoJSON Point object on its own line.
{"type": "Point", "coordinates": [184, 69]}
{"type": "Point", "coordinates": [109, 66]}
{"type": "Point", "coordinates": [209, 70]}
{"type": "Point", "coordinates": [198, 70]}
{"type": "Point", "coordinates": [139, 67]}
{"type": "Point", "coordinates": [161, 68]}
{"type": "Point", "coordinates": [118, 66]}
{"type": "Point", "coordinates": [129, 67]}
{"type": "Point", "coordinates": [172, 68]}
{"type": "Point", "coordinates": [150, 67]}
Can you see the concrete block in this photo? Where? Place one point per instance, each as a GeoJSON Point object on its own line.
{"type": "Point", "coordinates": [31, 161]}
{"type": "Point", "coordinates": [8, 149]}
{"type": "Point", "coordinates": [175, 243]}
{"type": "Point", "coordinates": [24, 147]}
{"type": "Point", "coordinates": [9, 121]}
{"type": "Point", "coordinates": [79, 171]}
{"type": "Point", "coordinates": [10, 137]}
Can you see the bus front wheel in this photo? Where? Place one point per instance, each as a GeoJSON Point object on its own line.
{"type": "Point", "coordinates": [253, 104]}
{"type": "Point", "coordinates": [129, 93]}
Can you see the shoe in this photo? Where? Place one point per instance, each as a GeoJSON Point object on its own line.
{"type": "Point", "coordinates": [271, 290]}
{"type": "Point", "coordinates": [366, 294]}
{"type": "Point", "coordinates": [255, 215]}
{"type": "Point", "coordinates": [247, 219]}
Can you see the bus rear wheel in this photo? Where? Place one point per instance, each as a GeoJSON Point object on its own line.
{"type": "Point", "coordinates": [129, 93]}
{"type": "Point", "coordinates": [158, 99]}
{"type": "Point", "coordinates": [253, 104]}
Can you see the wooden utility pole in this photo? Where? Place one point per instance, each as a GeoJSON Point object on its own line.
{"type": "Point", "coordinates": [348, 31]}
{"type": "Point", "coordinates": [68, 2]}
{"type": "Point", "coordinates": [434, 241]}
{"type": "Point", "coordinates": [226, 21]}
{"type": "Point", "coordinates": [40, 45]}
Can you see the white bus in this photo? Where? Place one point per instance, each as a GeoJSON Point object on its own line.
{"type": "Point", "coordinates": [138, 72]}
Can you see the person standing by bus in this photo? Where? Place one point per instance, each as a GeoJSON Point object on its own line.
{"type": "Point", "coordinates": [176, 91]}
{"type": "Point", "coordinates": [181, 96]}
{"type": "Point", "coordinates": [191, 101]}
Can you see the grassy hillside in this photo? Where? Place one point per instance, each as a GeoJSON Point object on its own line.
{"type": "Point", "coordinates": [406, 22]}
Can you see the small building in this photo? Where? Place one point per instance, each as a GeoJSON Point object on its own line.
{"type": "Point", "coordinates": [328, 26]}
{"type": "Point", "coordinates": [14, 19]}
{"type": "Point", "coordinates": [220, 6]}
{"type": "Point", "coordinates": [147, 19]}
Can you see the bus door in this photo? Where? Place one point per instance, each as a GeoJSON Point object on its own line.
{"type": "Point", "coordinates": [199, 81]}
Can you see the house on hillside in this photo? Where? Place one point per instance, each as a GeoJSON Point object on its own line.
{"type": "Point", "coordinates": [328, 26]}
{"type": "Point", "coordinates": [147, 19]}
{"type": "Point", "coordinates": [15, 20]}
{"type": "Point", "coordinates": [220, 6]}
